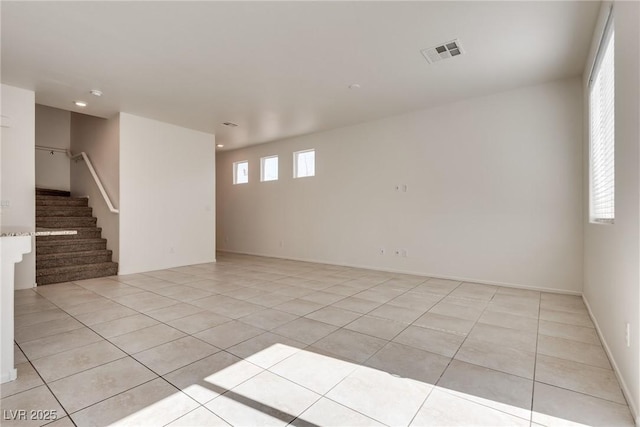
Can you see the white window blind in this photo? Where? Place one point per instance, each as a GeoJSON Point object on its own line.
{"type": "Point", "coordinates": [602, 132]}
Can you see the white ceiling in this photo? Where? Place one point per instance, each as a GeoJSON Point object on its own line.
{"type": "Point", "coordinates": [280, 69]}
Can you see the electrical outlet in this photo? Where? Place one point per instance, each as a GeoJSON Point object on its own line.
{"type": "Point", "coordinates": [381, 251]}
{"type": "Point", "coordinates": [5, 204]}
{"type": "Point", "coordinates": [281, 243]}
{"type": "Point", "coordinates": [171, 250]}
{"type": "Point", "coordinates": [628, 335]}
{"type": "Point", "coordinates": [226, 240]}
{"type": "Point", "coordinates": [405, 253]}
{"type": "Point", "coordinates": [405, 187]}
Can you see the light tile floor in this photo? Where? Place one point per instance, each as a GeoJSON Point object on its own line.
{"type": "Point", "coordinates": [260, 341]}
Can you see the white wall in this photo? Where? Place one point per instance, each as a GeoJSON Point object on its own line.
{"type": "Point", "coordinates": [18, 172]}
{"type": "Point", "coordinates": [167, 195]}
{"type": "Point", "coordinates": [100, 139]}
{"type": "Point", "coordinates": [494, 192]}
{"type": "Point", "coordinates": [53, 129]}
{"type": "Point", "coordinates": [612, 252]}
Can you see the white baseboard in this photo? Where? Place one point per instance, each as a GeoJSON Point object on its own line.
{"type": "Point", "coordinates": [435, 276]}
{"type": "Point", "coordinates": [11, 375]}
{"type": "Point", "coordinates": [614, 365]}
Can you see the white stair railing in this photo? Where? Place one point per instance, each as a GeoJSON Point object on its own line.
{"type": "Point", "coordinates": [96, 178]}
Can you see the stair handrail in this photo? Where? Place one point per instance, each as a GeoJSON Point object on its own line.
{"type": "Point", "coordinates": [51, 150]}
{"type": "Point", "coordinates": [96, 178]}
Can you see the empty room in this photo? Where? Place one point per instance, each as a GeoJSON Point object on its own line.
{"type": "Point", "coordinates": [319, 213]}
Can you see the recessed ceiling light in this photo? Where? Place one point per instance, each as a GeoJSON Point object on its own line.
{"type": "Point", "coordinates": [354, 86]}
{"type": "Point", "coordinates": [219, 145]}
{"type": "Point", "coordinates": [96, 92]}
{"type": "Point", "coordinates": [230, 124]}
{"type": "Point", "coordinates": [80, 104]}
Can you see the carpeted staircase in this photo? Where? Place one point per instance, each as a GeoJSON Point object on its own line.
{"type": "Point", "coordinates": [73, 257]}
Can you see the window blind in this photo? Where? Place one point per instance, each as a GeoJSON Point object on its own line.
{"type": "Point", "coordinates": [602, 132]}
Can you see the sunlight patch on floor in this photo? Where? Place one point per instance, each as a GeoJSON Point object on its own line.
{"type": "Point", "coordinates": [334, 392]}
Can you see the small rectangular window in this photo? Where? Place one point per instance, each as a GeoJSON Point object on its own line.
{"type": "Point", "coordinates": [304, 163]}
{"type": "Point", "coordinates": [602, 131]}
{"type": "Point", "coordinates": [269, 168]}
{"type": "Point", "coordinates": [241, 172]}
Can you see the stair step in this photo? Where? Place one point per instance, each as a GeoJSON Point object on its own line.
{"type": "Point", "coordinates": [47, 247]}
{"type": "Point", "coordinates": [69, 257]}
{"type": "Point", "coordinates": [61, 201]}
{"type": "Point", "coordinates": [49, 192]}
{"type": "Point", "coordinates": [63, 270]}
{"type": "Point", "coordinates": [67, 211]}
{"type": "Point", "coordinates": [65, 222]}
{"type": "Point", "coordinates": [72, 258]}
{"type": "Point", "coordinates": [83, 233]}
{"type": "Point", "coordinates": [46, 276]}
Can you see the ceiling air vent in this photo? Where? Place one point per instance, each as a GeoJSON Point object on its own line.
{"type": "Point", "coordinates": [442, 51]}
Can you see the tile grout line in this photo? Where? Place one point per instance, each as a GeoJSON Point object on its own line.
{"type": "Point", "coordinates": [412, 324]}
{"type": "Point", "coordinates": [535, 361]}
{"type": "Point", "coordinates": [103, 364]}
{"type": "Point", "coordinates": [363, 364]}
{"type": "Point", "coordinates": [495, 370]}
{"type": "Point", "coordinates": [446, 367]}
{"type": "Point", "coordinates": [357, 365]}
{"type": "Point", "coordinates": [114, 395]}
{"type": "Point", "coordinates": [443, 371]}
{"type": "Point", "coordinates": [68, 415]}
{"type": "Point", "coordinates": [179, 391]}
{"type": "Point", "coordinates": [368, 313]}
{"type": "Point", "coordinates": [239, 319]}
{"type": "Point", "coordinates": [361, 315]}
{"type": "Point", "coordinates": [159, 321]}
